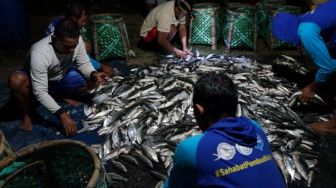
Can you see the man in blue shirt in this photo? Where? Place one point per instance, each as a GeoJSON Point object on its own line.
{"type": "Point", "coordinates": [79, 13]}
{"type": "Point", "coordinates": [232, 151]}
{"type": "Point", "coordinates": [316, 30]}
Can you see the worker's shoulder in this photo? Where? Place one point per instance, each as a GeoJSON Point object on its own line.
{"type": "Point", "coordinates": [165, 8]}
{"type": "Point", "coordinates": [190, 142]}
{"type": "Point", "coordinates": [42, 45]}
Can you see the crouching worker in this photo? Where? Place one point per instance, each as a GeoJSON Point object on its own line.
{"type": "Point", "coordinates": [162, 24]}
{"type": "Point", "coordinates": [231, 152]}
{"type": "Point", "coordinates": [78, 12]}
{"type": "Point", "coordinates": [57, 66]}
{"type": "Point", "coordinates": [316, 31]}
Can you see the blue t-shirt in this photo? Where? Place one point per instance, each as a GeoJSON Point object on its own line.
{"type": "Point", "coordinates": [233, 152]}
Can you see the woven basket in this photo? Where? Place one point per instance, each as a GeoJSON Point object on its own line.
{"type": "Point", "coordinates": [239, 27]}
{"type": "Point", "coordinates": [110, 39]}
{"type": "Point", "coordinates": [271, 41]}
{"type": "Point", "coordinates": [62, 163]}
{"type": "Point", "coordinates": [6, 151]}
{"type": "Point", "coordinates": [262, 10]}
{"type": "Point", "coordinates": [205, 27]}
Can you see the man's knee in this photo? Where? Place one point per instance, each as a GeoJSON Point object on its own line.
{"type": "Point", "coordinates": [18, 80]}
{"type": "Point", "coordinates": [307, 31]}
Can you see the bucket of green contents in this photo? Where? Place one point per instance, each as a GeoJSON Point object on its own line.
{"type": "Point", "coordinates": [60, 163]}
{"type": "Point", "coordinates": [205, 26]}
{"type": "Point", "coordinates": [110, 39]}
{"type": "Point", "coordinates": [239, 27]}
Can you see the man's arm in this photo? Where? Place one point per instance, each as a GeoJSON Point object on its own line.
{"type": "Point", "coordinates": [183, 36]}
{"type": "Point", "coordinates": [184, 171]}
{"type": "Point", "coordinates": [165, 43]}
{"type": "Point", "coordinates": [309, 34]}
{"type": "Point", "coordinates": [82, 60]}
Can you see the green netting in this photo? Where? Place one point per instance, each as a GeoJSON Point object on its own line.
{"type": "Point", "coordinates": [262, 10]}
{"type": "Point", "coordinates": [238, 27]}
{"type": "Point", "coordinates": [66, 165]}
{"type": "Point", "coordinates": [271, 41]}
{"type": "Point", "coordinates": [201, 24]}
{"type": "Point", "coordinates": [108, 38]}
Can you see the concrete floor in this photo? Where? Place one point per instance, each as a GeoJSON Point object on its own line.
{"type": "Point", "coordinates": [39, 16]}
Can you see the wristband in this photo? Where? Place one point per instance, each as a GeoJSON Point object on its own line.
{"type": "Point", "coordinates": [91, 76]}
{"type": "Point", "coordinates": [59, 112]}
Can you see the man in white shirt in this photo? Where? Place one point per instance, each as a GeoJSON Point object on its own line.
{"type": "Point", "coordinates": [161, 25]}
{"type": "Point", "coordinates": [79, 13]}
{"type": "Point", "coordinates": [52, 71]}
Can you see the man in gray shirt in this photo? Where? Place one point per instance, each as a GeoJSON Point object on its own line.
{"type": "Point", "coordinates": [52, 70]}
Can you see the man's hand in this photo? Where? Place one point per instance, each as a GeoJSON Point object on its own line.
{"type": "Point", "coordinates": [180, 54]}
{"type": "Point", "coordinates": [68, 124]}
{"type": "Point", "coordinates": [100, 77]}
{"type": "Point", "coordinates": [308, 92]}
{"type": "Point", "coordinates": [187, 51]}
{"type": "Point", "coordinates": [306, 95]}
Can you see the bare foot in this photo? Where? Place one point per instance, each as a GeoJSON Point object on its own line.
{"type": "Point", "coordinates": [327, 127]}
{"type": "Point", "coordinates": [72, 102]}
{"type": "Point", "coordinates": [26, 124]}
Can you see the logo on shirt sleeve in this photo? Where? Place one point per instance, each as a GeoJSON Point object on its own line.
{"type": "Point", "coordinates": [225, 151]}
{"type": "Point", "coordinates": [260, 143]}
{"type": "Point", "coordinates": [243, 149]}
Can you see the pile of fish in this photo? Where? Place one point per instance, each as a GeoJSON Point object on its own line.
{"type": "Point", "coordinates": [144, 115]}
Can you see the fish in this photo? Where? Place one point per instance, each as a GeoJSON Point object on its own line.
{"type": "Point", "coordinates": [118, 165]}
{"type": "Point", "coordinates": [299, 166]}
{"type": "Point", "coordinates": [114, 176]}
{"type": "Point", "coordinates": [151, 154]}
{"type": "Point", "coordinates": [129, 159]}
{"type": "Point", "coordinates": [158, 175]}
{"type": "Point", "coordinates": [144, 115]}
